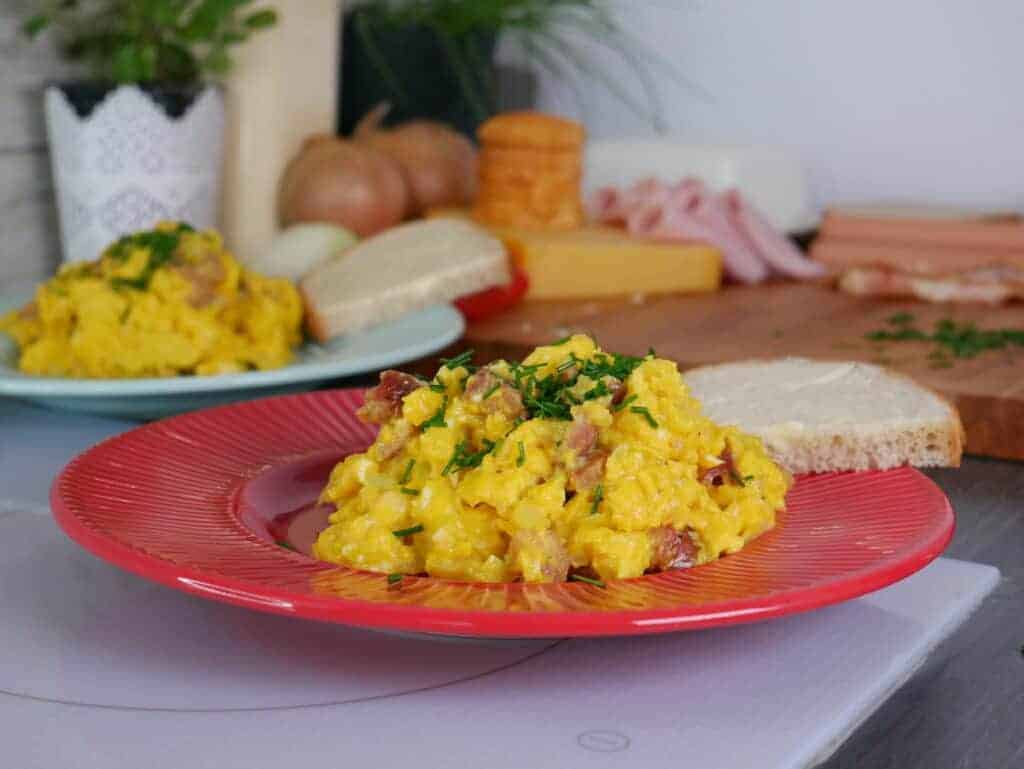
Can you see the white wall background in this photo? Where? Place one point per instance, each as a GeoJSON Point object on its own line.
{"type": "Point", "coordinates": [914, 100]}
{"type": "Point", "coordinates": [895, 100]}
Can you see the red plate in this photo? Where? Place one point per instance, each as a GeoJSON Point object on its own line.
{"type": "Point", "coordinates": [199, 502]}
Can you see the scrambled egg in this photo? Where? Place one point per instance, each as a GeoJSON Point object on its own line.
{"type": "Point", "coordinates": [160, 303]}
{"type": "Point", "coordinates": [574, 464]}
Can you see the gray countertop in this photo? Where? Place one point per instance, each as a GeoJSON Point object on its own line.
{"type": "Point", "coordinates": [965, 707]}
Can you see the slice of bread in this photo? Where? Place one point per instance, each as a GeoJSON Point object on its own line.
{"type": "Point", "coordinates": [401, 270]}
{"type": "Point", "coordinates": [820, 416]}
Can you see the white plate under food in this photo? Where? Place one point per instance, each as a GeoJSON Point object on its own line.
{"type": "Point", "coordinates": [410, 337]}
{"type": "Point", "coordinates": [769, 178]}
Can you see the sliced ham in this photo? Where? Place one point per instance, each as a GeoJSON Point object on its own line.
{"type": "Point", "coordinates": [752, 249]}
{"type": "Point", "coordinates": [778, 251]}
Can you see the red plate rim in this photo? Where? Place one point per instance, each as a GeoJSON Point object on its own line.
{"type": "Point", "coordinates": [211, 584]}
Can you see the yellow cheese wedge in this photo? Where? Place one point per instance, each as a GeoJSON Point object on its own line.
{"type": "Point", "coordinates": [603, 261]}
{"type": "Point", "coordinates": [594, 262]}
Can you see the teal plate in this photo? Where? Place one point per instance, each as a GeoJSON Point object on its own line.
{"type": "Point", "coordinates": [408, 338]}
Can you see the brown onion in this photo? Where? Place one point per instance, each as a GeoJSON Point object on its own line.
{"type": "Point", "coordinates": [439, 163]}
{"type": "Point", "coordinates": [338, 181]}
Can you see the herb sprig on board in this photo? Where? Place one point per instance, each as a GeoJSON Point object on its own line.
{"type": "Point", "coordinates": [959, 340]}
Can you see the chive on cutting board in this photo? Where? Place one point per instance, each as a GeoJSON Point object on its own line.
{"type": "Point", "coordinates": [803, 319]}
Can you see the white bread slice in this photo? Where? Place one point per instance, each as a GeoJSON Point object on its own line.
{"type": "Point", "coordinates": [820, 416]}
{"type": "Point", "coordinates": [401, 270]}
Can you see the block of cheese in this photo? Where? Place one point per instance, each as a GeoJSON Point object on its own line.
{"type": "Point", "coordinates": [598, 261]}
{"type": "Point", "coordinates": [603, 261]}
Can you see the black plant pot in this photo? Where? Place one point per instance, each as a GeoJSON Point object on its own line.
{"type": "Point", "coordinates": [413, 69]}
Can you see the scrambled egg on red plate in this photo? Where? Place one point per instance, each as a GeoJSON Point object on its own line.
{"type": "Point", "coordinates": [159, 303]}
{"type": "Point", "coordinates": [574, 464]}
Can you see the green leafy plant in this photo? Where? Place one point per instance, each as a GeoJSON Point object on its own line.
{"type": "Point", "coordinates": [549, 32]}
{"type": "Point", "coordinates": [151, 41]}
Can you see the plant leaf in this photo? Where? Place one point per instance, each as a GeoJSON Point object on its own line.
{"type": "Point", "coordinates": [126, 64]}
{"type": "Point", "coordinates": [260, 19]}
{"type": "Point", "coordinates": [33, 25]}
{"type": "Point", "coordinates": [206, 19]}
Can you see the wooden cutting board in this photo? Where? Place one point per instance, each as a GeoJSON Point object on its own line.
{"type": "Point", "coordinates": [789, 319]}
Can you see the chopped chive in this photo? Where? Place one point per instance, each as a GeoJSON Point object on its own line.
{"type": "Point", "coordinates": [900, 319]}
{"type": "Point", "coordinates": [287, 546]}
{"type": "Point", "coordinates": [736, 478]}
{"type": "Point", "coordinates": [451, 461]}
{"type": "Point", "coordinates": [521, 459]}
{"type": "Point", "coordinates": [598, 496]}
{"type": "Point", "coordinates": [463, 458]}
{"type": "Point", "coordinates": [410, 492]}
{"type": "Point", "coordinates": [621, 406]}
{"type": "Point", "coordinates": [559, 342]}
{"type": "Point", "coordinates": [491, 390]}
{"type": "Point", "coordinates": [748, 478]}
{"type": "Point", "coordinates": [438, 387]}
{"type": "Point", "coordinates": [588, 580]}
{"type": "Point", "coordinates": [408, 532]}
{"type": "Point", "coordinates": [438, 419]}
{"type": "Point", "coordinates": [651, 353]}
{"type": "Point", "coordinates": [407, 473]}
{"type": "Point", "coordinates": [646, 415]}
{"type": "Point", "coordinates": [567, 364]}
{"type": "Point", "coordinates": [395, 578]}
{"type": "Point", "coordinates": [460, 360]}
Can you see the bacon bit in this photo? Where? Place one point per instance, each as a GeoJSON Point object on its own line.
{"type": "Point", "coordinates": [719, 474]}
{"type": "Point", "coordinates": [555, 559]}
{"type": "Point", "coordinates": [384, 402]}
{"type": "Point", "coordinates": [402, 433]}
{"type": "Point", "coordinates": [480, 384]}
{"type": "Point", "coordinates": [672, 549]}
{"type": "Point", "coordinates": [205, 276]}
{"type": "Point", "coordinates": [616, 388]}
{"type": "Point", "coordinates": [505, 399]}
{"type": "Point", "coordinates": [581, 436]}
{"type": "Point", "coordinates": [590, 473]}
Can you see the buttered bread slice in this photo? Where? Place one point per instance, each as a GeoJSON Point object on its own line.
{"type": "Point", "coordinates": [401, 270]}
{"type": "Point", "coordinates": [820, 416]}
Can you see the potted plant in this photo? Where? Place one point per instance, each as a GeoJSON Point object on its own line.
{"type": "Point", "coordinates": [139, 138]}
{"type": "Point", "coordinates": [435, 58]}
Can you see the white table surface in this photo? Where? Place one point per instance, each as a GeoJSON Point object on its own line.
{"type": "Point", "coordinates": [102, 670]}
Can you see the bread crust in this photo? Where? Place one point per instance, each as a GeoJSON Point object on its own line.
{"type": "Point", "coordinates": [316, 326]}
{"type": "Point", "coordinates": [956, 436]}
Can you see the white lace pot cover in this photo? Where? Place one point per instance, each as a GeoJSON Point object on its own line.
{"type": "Point", "coordinates": [128, 166]}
